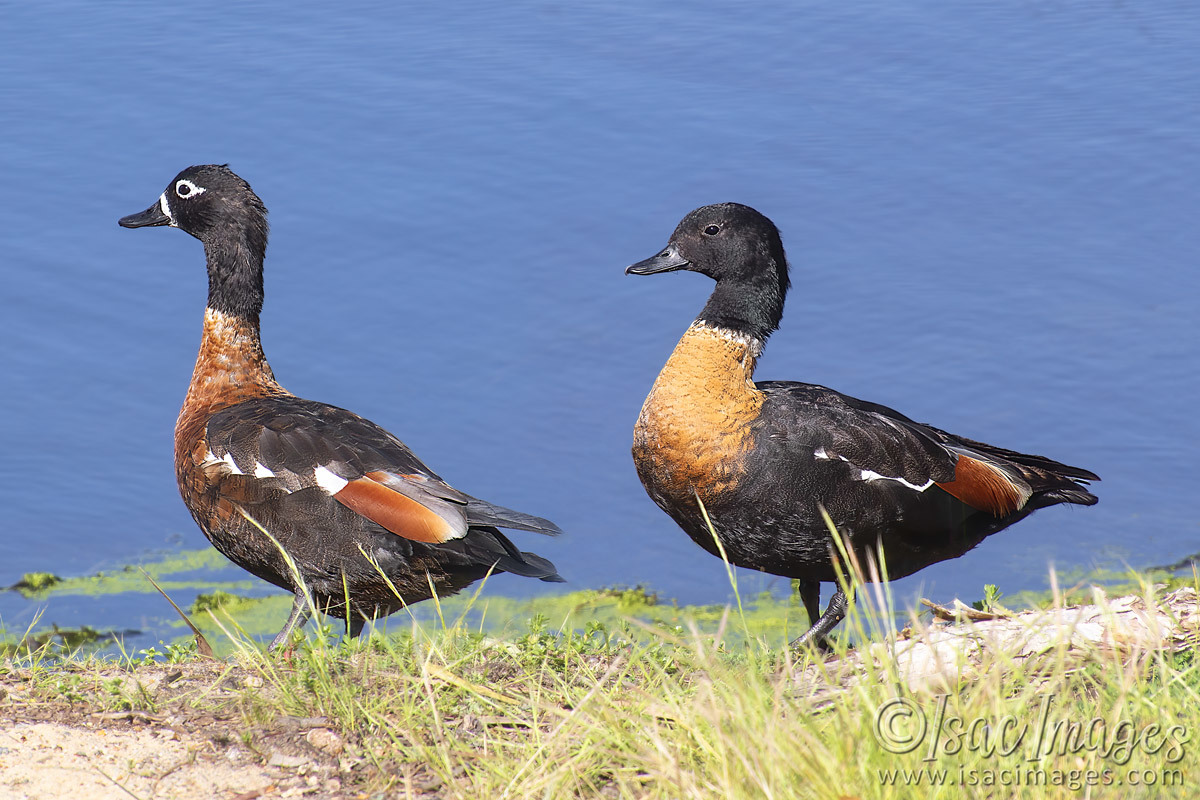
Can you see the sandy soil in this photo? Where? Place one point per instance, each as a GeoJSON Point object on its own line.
{"type": "Point", "coordinates": [54, 745]}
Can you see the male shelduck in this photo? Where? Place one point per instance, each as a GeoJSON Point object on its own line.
{"type": "Point", "coordinates": [765, 458]}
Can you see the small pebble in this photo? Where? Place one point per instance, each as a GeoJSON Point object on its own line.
{"type": "Point", "coordinates": [325, 740]}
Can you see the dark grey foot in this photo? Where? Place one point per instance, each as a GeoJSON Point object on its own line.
{"type": "Point", "coordinates": [297, 619]}
{"type": "Point", "coordinates": [834, 613]}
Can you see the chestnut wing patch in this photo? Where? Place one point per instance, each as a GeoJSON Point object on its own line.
{"type": "Point", "coordinates": [403, 516]}
{"type": "Point", "coordinates": [986, 487]}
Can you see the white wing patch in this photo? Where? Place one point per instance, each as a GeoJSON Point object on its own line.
{"type": "Point", "coordinates": [227, 463]}
{"type": "Point", "coordinates": [328, 481]}
{"type": "Point", "coordinates": [870, 475]}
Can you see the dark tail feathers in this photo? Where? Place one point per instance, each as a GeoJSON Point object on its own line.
{"type": "Point", "coordinates": [486, 545]}
{"type": "Point", "coordinates": [481, 512]}
{"type": "Point", "coordinates": [1078, 496]}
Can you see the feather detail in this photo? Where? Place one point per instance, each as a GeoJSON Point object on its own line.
{"type": "Point", "coordinates": [986, 487]}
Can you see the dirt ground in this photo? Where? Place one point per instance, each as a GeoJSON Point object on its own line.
{"type": "Point", "coordinates": [56, 744]}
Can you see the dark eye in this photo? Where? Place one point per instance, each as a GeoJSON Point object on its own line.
{"type": "Point", "coordinates": [712, 230]}
{"type": "Point", "coordinates": [186, 188]}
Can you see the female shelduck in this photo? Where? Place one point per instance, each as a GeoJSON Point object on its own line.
{"type": "Point", "coordinates": [765, 458]}
{"type": "Point", "coordinates": [272, 478]}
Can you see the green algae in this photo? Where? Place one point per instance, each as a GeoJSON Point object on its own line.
{"type": "Point", "coordinates": [218, 600]}
{"type": "Point", "coordinates": [764, 617]}
{"type": "Point", "coordinates": [169, 572]}
{"type": "Point", "coordinates": [59, 639]}
{"type": "Point", "coordinates": [32, 583]}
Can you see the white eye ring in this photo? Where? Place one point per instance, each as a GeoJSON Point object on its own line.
{"type": "Point", "coordinates": [185, 189]}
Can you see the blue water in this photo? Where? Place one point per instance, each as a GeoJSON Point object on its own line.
{"type": "Point", "coordinates": [990, 209]}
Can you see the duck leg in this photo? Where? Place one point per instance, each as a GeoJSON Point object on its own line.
{"type": "Point", "coordinates": [835, 612]}
{"type": "Point", "coordinates": [297, 619]}
{"type": "Point", "coordinates": [810, 595]}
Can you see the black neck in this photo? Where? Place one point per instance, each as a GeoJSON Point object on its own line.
{"type": "Point", "coordinates": [753, 307]}
{"type": "Point", "coordinates": [235, 275]}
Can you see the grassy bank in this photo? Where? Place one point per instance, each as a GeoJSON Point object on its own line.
{"type": "Point", "coordinates": [604, 706]}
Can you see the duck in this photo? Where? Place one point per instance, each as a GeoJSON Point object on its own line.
{"type": "Point", "coordinates": [307, 496]}
{"type": "Point", "coordinates": [760, 466]}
